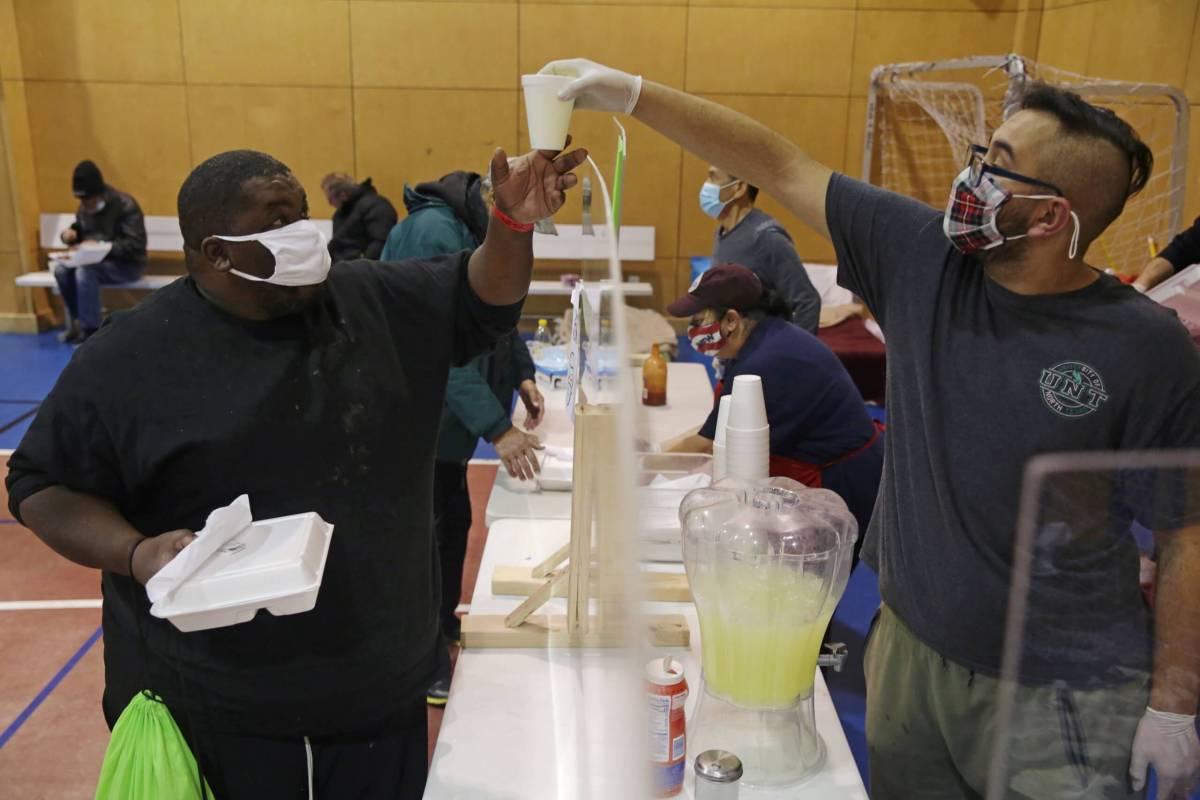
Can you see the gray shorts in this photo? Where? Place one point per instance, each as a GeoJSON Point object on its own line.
{"type": "Point", "coordinates": [931, 726]}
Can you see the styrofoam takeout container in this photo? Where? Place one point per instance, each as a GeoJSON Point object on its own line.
{"type": "Point", "coordinates": [276, 564]}
{"type": "Point", "coordinates": [556, 474]}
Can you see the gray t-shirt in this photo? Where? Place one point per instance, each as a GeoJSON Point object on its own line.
{"type": "Point", "coordinates": [979, 380]}
{"type": "Point", "coordinates": [761, 244]}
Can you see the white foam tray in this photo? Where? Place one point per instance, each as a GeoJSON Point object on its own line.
{"type": "Point", "coordinates": [276, 564]}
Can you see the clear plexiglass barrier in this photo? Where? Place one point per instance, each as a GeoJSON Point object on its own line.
{"type": "Point", "coordinates": [550, 678]}
{"type": "Point", "coordinates": [1099, 622]}
{"type": "Point", "coordinates": [595, 662]}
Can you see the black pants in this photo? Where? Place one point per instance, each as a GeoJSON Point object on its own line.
{"type": "Point", "coordinates": [388, 765]}
{"type": "Point", "coordinates": [452, 522]}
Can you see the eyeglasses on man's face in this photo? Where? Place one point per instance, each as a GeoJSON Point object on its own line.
{"type": "Point", "coordinates": [975, 161]}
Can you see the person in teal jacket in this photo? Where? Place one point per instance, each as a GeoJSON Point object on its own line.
{"type": "Point", "coordinates": [446, 216]}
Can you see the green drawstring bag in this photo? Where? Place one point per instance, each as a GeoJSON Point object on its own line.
{"type": "Point", "coordinates": [148, 758]}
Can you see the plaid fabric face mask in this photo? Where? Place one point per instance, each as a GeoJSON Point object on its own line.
{"type": "Point", "coordinates": [970, 220]}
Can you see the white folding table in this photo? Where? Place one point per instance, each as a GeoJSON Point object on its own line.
{"type": "Point", "coordinates": [517, 724]}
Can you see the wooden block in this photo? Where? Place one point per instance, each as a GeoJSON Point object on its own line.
{"type": "Point", "coordinates": [667, 587]}
{"type": "Point", "coordinates": [661, 587]}
{"type": "Point", "coordinates": [542, 630]}
{"type": "Point", "coordinates": [544, 569]}
{"type": "Point", "coordinates": [537, 599]}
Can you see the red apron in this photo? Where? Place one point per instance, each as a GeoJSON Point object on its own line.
{"type": "Point", "coordinates": [810, 474]}
{"type": "Point", "coordinates": [803, 471]}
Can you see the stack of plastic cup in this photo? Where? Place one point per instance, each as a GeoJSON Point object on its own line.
{"type": "Point", "coordinates": [549, 118]}
{"type": "Point", "coordinates": [747, 434]}
{"type": "Point", "coordinates": [719, 467]}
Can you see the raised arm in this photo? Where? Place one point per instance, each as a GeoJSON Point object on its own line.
{"type": "Point", "coordinates": [716, 134]}
{"type": "Point", "coordinates": [526, 189]}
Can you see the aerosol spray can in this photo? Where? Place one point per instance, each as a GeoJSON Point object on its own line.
{"type": "Point", "coordinates": [666, 693]}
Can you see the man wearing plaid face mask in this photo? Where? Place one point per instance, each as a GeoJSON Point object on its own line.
{"type": "Point", "coordinates": [976, 199]}
{"type": "Point", "coordinates": [1002, 344]}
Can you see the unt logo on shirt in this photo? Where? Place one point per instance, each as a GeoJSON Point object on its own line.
{"type": "Point", "coordinates": [1072, 389]}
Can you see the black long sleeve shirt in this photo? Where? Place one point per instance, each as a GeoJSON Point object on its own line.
{"type": "Point", "coordinates": [1184, 249]}
{"type": "Point", "coordinates": [175, 408]}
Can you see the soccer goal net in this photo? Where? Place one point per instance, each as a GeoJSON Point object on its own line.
{"type": "Point", "coordinates": [922, 116]}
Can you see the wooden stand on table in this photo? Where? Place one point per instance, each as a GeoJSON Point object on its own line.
{"type": "Point", "coordinates": [593, 512]}
{"type": "Point", "coordinates": [660, 587]}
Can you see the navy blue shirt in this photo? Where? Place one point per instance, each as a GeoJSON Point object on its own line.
{"type": "Point", "coordinates": [815, 411]}
{"type": "Point", "coordinates": [980, 380]}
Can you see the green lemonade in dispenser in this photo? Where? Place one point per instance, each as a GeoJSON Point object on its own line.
{"type": "Point", "coordinates": [767, 562]}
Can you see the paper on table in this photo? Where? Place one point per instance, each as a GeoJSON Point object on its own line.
{"type": "Point", "coordinates": [84, 255]}
{"type": "Point", "coordinates": [661, 524]}
{"type": "Point", "coordinates": [687, 482]}
{"type": "Point", "coordinates": [221, 526]}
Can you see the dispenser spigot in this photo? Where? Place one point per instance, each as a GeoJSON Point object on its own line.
{"type": "Point", "coordinates": [835, 657]}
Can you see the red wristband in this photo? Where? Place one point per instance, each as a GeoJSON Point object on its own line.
{"type": "Point", "coordinates": [511, 223]}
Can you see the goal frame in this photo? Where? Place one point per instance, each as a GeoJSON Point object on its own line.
{"type": "Point", "coordinates": [1014, 66]}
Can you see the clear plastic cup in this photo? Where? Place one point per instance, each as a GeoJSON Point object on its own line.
{"type": "Point", "coordinates": [747, 409]}
{"type": "Point", "coordinates": [549, 118]}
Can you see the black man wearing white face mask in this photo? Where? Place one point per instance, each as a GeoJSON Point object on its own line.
{"type": "Point", "coordinates": [268, 373]}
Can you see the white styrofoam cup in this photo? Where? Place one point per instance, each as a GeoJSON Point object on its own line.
{"type": "Point", "coordinates": [549, 118]}
{"type": "Point", "coordinates": [747, 409]}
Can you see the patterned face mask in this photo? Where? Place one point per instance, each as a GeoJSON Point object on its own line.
{"type": "Point", "coordinates": [707, 339]}
{"type": "Point", "coordinates": [971, 213]}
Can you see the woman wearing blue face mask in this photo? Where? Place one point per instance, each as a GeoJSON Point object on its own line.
{"type": "Point", "coordinates": [821, 434]}
{"type": "Point", "coordinates": [748, 236]}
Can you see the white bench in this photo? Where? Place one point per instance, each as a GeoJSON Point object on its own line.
{"type": "Point", "coordinates": [163, 236]}
{"type": "Point", "coordinates": [162, 233]}
{"type": "Point", "coordinates": [637, 241]}
{"type": "Point", "coordinates": [45, 280]}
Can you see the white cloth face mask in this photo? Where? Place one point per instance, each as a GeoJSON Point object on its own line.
{"type": "Point", "coordinates": [301, 254]}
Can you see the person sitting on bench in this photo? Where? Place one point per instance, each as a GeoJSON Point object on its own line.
{"type": "Point", "coordinates": [105, 214]}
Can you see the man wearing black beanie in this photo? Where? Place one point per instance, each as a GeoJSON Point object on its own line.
{"type": "Point", "coordinates": [104, 215]}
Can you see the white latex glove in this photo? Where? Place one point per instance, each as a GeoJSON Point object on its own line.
{"type": "Point", "coordinates": [597, 87]}
{"type": "Point", "coordinates": [1169, 743]}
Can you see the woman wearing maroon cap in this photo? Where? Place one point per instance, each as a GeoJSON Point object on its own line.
{"type": "Point", "coordinates": [821, 434]}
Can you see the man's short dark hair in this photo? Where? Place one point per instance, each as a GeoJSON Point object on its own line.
{"type": "Point", "coordinates": [751, 189]}
{"type": "Point", "coordinates": [211, 196]}
{"type": "Point", "coordinates": [1082, 120]}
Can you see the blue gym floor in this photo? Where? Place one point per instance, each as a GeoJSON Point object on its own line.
{"type": "Point", "coordinates": [30, 364]}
